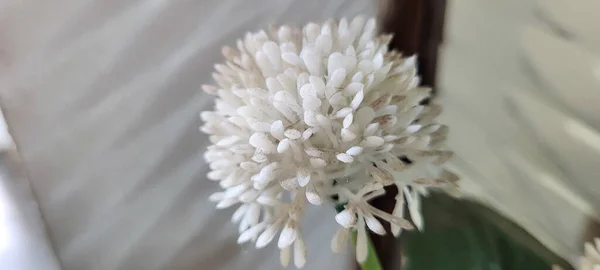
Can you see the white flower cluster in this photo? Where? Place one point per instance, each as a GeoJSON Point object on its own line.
{"type": "Point", "coordinates": [591, 260]}
{"type": "Point", "coordinates": [320, 114]}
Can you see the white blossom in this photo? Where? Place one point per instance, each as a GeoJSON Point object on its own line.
{"type": "Point", "coordinates": [591, 260]}
{"type": "Point", "coordinates": [322, 114]}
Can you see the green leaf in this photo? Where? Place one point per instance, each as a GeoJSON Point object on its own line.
{"type": "Point", "coordinates": [465, 235]}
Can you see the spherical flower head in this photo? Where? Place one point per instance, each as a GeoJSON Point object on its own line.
{"type": "Point", "coordinates": [321, 114]}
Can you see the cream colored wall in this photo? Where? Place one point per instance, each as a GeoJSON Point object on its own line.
{"type": "Point", "coordinates": [522, 101]}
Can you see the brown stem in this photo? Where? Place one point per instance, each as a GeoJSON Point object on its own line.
{"type": "Point", "coordinates": [417, 26]}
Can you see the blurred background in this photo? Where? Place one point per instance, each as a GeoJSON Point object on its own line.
{"type": "Point", "coordinates": [101, 99]}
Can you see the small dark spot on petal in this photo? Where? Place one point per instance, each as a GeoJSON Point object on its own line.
{"type": "Point", "coordinates": [405, 160]}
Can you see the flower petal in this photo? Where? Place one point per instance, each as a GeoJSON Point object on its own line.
{"type": "Point", "coordinates": [340, 240]}
{"type": "Point", "coordinates": [310, 118]}
{"type": "Point", "coordinates": [303, 177]}
{"type": "Point", "coordinates": [372, 142]}
{"type": "Point", "coordinates": [337, 79]}
{"type": "Point", "coordinates": [312, 61]}
{"type": "Point", "coordinates": [357, 100]}
{"type": "Point", "coordinates": [398, 212]}
{"type": "Point", "coordinates": [347, 135]}
{"type": "Point", "coordinates": [381, 102]}
{"type": "Point", "coordinates": [354, 150]}
{"type": "Point", "coordinates": [346, 218]}
{"type": "Point", "coordinates": [250, 233]}
{"type": "Point", "coordinates": [289, 184]}
{"type": "Point", "coordinates": [395, 163]}
{"type": "Point", "coordinates": [443, 157]}
{"type": "Point", "coordinates": [239, 213]}
{"type": "Point", "coordinates": [335, 62]}
{"type": "Point", "coordinates": [318, 163]}
{"type": "Point", "coordinates": [318, 85]}
{"type": "Point", "coordinates": [277, 129]}
{"type": "Point", "coordinates": [217, 196]}
{"type": "Point", "coordinates": [209, 89]}
{"type": "Point", "coordinates": [226, 203]}
{"type": "Point", "coordinates": [381, 176]}
{"type": "Point", "coordinates": [371, 130]}
{"type": "Point", "coordinates": [346, 158]}
{"type": "Point", "coordinates": [284, 256]}
{"type": "Point", "coordinates": [291, 58]}
{"type": "Point", "coordinates": [288, 235]}
{"type": "Point", "coordinates": [293, 134]}
{"type": "Point", "coordinates": [313, 196]}
{"type": "Point", "coordinates": [260, 158]}
{"type": "Point", "coordinates": [348, 120]}
{"type": "Point", "coordinates": [374, 224]}
{"type": "Point", "coordinates": [283, 145]}
{"type": "Point", "coordinates": [414, 208]}
{"type": "Point", "coordinates": [261, 141]}
{"type": "Point", "coordinates": [267, 236]}
{"type": "Point", "coordinates": [313, 152]}
{"type": "Point", "coordinates": [361, 245]}
{"type": "Point", "coordinates": [343, 112]}
{"type": "Point", "coordinates": [307, 134]}
{"type": "Point", "coordinates": [299, 252]}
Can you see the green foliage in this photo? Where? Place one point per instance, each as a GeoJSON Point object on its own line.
{"type": "Point", "coordinates": [464, 235]}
